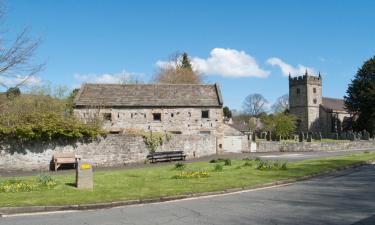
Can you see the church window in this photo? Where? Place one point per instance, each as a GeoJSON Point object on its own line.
{"type": "Point", "coordinates": [315, 101]}
{"type": "Point", "coordinates": [314, 90]}
{"type": "Point", "coordinates": [298, 91]}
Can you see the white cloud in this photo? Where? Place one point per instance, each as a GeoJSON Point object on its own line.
{"type": "Point", "coordinates": [226, 63]}
{"type": "Point", "coordinates": [287, 68]}
{"type": "Point", "coordinates": [107, 78]}
{"type": "Point", "coordinates": [13, 81]}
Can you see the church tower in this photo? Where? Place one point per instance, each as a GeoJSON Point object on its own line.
{"type": "Point", "coordinates": [305, 98]}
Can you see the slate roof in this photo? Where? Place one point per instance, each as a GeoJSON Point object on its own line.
{"type": "Point", "coordinates": [149, 95]}
{"type": "Point", "coordinates": [333, 104]}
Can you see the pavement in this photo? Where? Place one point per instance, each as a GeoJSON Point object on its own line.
{"type": "Point", "coordinates": [345, 198]}
{"type": "Point", "coordinates": [282, 156]}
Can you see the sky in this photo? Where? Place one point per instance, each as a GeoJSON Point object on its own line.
{"type": "Point", "coordinates": [245, 46]}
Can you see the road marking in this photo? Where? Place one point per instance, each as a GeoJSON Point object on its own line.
{"type": "Point", "coordinates": [285, 155]}
{"type": "Point", "coordinates": [41, 213]}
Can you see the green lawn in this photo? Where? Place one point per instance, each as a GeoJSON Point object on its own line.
{"type": "Point", "coordinates": [157, 181]}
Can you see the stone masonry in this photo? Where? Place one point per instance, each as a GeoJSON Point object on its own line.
{"type": "Point", "coordinates": [114, 150]}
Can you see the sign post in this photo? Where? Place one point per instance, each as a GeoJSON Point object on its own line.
{"type": "Point", "coordinates": [84, 176]}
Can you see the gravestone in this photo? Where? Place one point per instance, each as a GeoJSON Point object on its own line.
{"type": "Point", "coordinates": [301, 137]}
{"type": "Point", "coordinates": [358, 135]}
{"type": "Point", "coordinates": [319, 136]}
{"type": "Point", "coordinates": [269, 136]}
{"type": "Point", "coordinates": [309, 137]}
{"type": "Point", "coordinates": [253, 137]}
{"type": "Point", "coordinates": [278, 138]}
{"type": "Point", "coordinates": [351, 136]}
{"type": "Point", "coordinates": [84, 176]}
{"type": "Point", "coordinates": [366, 135]}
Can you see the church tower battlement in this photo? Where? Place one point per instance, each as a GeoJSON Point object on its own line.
{"type": "Point", "coordinates": [305, 98]}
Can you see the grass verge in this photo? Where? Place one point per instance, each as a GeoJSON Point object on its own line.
{"type": "Point", "coordinates": [158, 181]}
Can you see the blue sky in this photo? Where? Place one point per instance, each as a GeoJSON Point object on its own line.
{"type": "Point", "coordinates": [246, 46]}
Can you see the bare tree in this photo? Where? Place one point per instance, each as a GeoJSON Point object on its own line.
{"type": "Point", "coordinates": [255, 104]}
{"type": "Point", "coordinates": [177, 70]}
{"type": "Point", "coordinates": [130, 78]}
{"type": "Point", "coordinates": [281, 104]}
{"type": "Point", "coordinates": [16, 67]}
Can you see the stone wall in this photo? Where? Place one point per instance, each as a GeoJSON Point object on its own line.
{"type": "Point", "coordinates": [264, 146]}
{"type": "Point", "coordinates": [114, 150]}
{"type": "Point", "coordinates": [180, 120]}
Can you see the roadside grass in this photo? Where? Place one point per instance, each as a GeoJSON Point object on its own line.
{"type": "Point", "coordinates": [155, 182]}
{"type": "Point", "coordinates": [325, 140]}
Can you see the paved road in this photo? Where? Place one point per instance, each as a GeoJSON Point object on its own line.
{"type": "Point", "coordinates": [347, 198]}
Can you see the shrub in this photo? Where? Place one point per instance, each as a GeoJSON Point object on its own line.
{"type": "Point", "coordinates": [366, 152]}
{"type": "Point", "coordinates": [179, 166]}
{"type": "Point", "coordinates": [213, 161]}
{"type": "Point", "coordinates": [227, 162]}
{"type": "Point", "coordinates": [191, 174]}
{"type": "Point", "coordinates": [218, 168]}
{"type": "Point", "coordinates": [248, 163]}
{"type": "Point", "coordinates": [246, 159]}
{"type": "Point", "coordinates": [152, 139]}
{"type": "Point", "coordinates": [46, 180]}
{"type": "Point", "coordinates": [271, 165]}
{"type": "Point", "coordinates": [38, 117]}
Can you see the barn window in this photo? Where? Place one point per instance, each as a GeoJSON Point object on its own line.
{"type": "Point", "coordinates": [107, 116]}
{"type": "Point", "coordinates": [156, 116]}
{"type": "Point", "coordinates": [205, 132]}
{"type": "Point", "coordinates": [205, 114]}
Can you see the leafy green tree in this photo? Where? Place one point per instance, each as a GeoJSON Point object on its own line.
{"type": "Point", "coordinates": [280, 124]}
{"type": "Point", "coordinates": [227, 112]}
{"type": "Point", "coordinates": [360, 97]}
{"type": "Point", "coordinates": [13, 92]}
{"type": "Point", "coordinates": [185, 62]}
{"type": "Point", "coordinates": [70, 100]}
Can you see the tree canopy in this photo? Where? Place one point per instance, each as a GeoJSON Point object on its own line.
{"type": "Point", "coordinates": [281, 104]}
{"type": "Point", "coordinates": [280, 124]}
{"type": "Point", "coordinates": [227, 112]}
{"type": "Point", "coordinates": [178, 70]}
{"type": "Point", "coordinates": [255, 104]}
{"type": "Point", "coordinates": [360, 97]}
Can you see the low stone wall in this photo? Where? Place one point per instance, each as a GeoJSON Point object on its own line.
{"type": "Point", "coordinates": [113, 150]}
{"type": "Point", "coordinates": [272, 146]}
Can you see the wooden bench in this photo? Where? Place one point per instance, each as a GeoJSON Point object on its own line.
{"type": "Point", "coordinates": [63, 158]}
{"type": "Point", "coordinates": [166, 156]}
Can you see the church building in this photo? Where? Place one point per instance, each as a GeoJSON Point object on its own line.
{"type": "Point", "coordinates": [314, 112]}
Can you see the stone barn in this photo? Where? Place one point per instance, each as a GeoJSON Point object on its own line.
{"type": "Point", "coordinates": [176, 108]}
